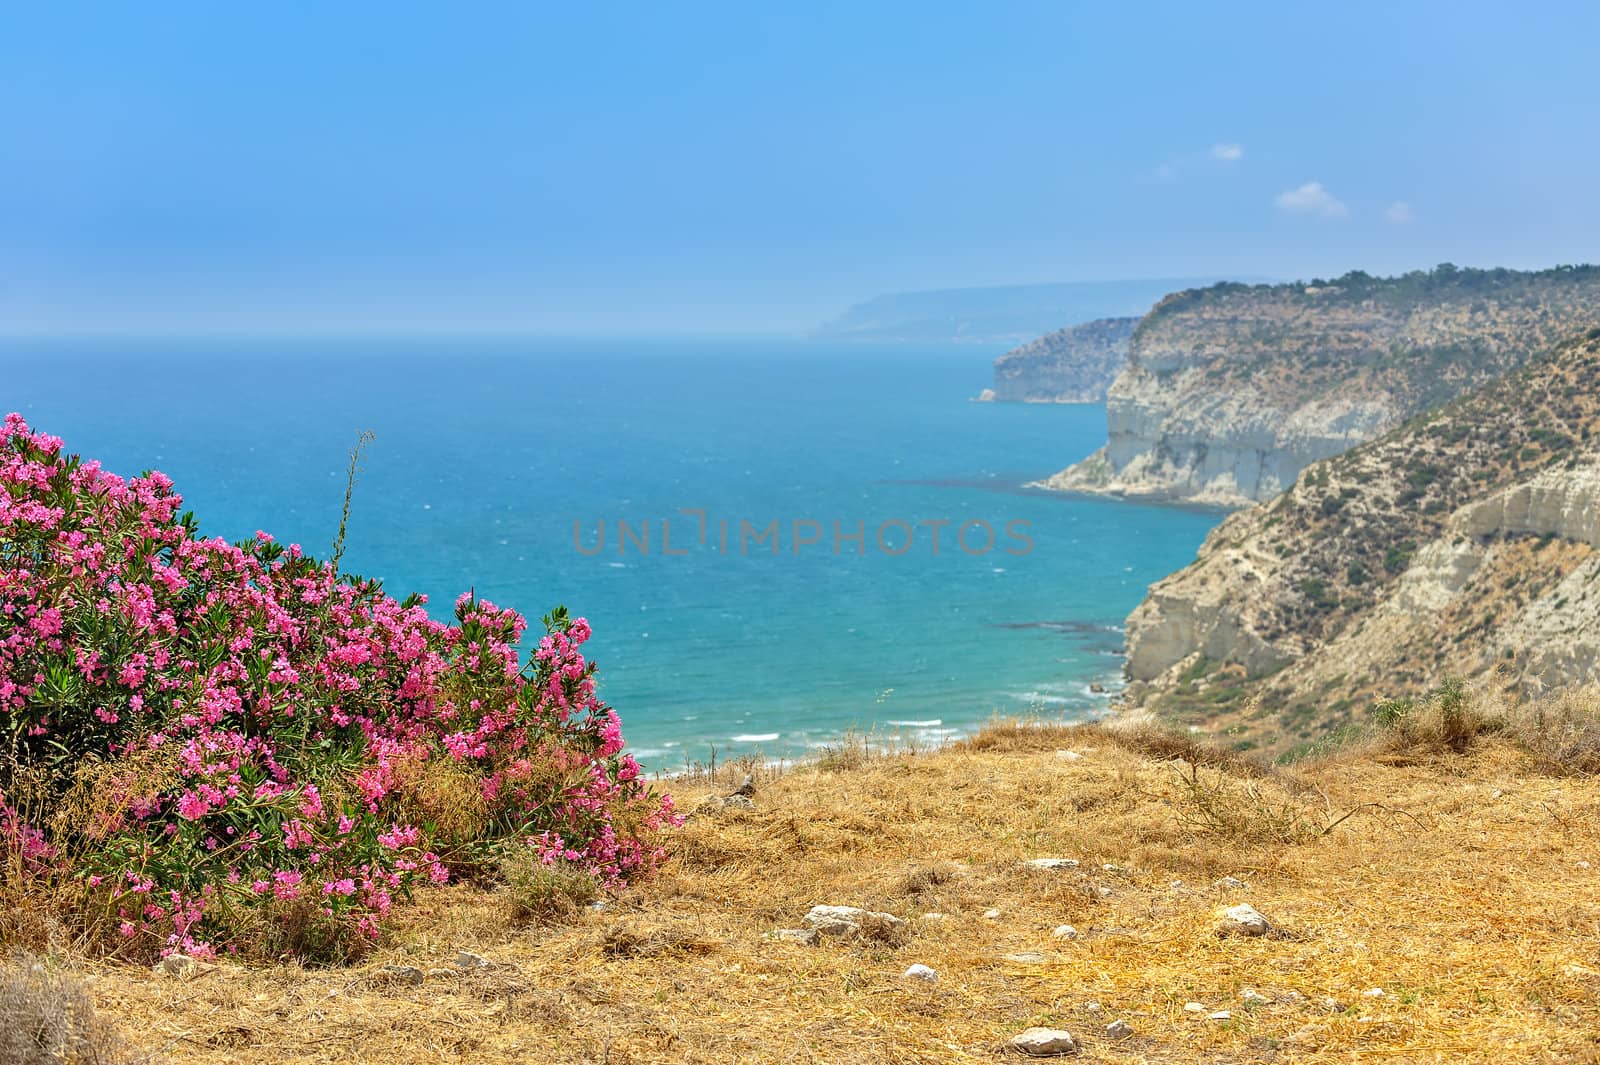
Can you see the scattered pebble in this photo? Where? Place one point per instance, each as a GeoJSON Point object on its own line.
{"type": "Point", "coordinates": [850, 922]}
{"type": "Point", "coordinates": [1220, 1015]}
{"type": "Point", "coordinates": [1052, 865]}
{"type": "Point", "coordinates": [921, 974]}
{"type": "Point", "coordinates": [1069, 756]}
{"type": "Point", "coordinates": [1193, 1007]}
{"type": "Point", "coordinates": [1112, 867]}
{"type": "Point", "coordinates": [1373, 992]}
{"type": "Point", "coordinates": [404, 974]}
{"type": "Point", "coordinates": [1583, 865]}
{"type": "Point", "coordinates": [1065, 931]}
{"type": "Point", "coordinates": [1045, 1042]}
{"type": "Point", "coordinates": [180, 966]}
{"type": "Point", "coordinates": [468, 960]}
{"type": "Point", "coordinates": [933, 915]}
{"type": "Point", "coordinates": [1253, 997]}
{"type": "Point", "coordinates": [805, 936]}
{"type": "Point", "coordinates": [1093, 1007]}
{"type": "Point", "coordinates": [442, 974]}
{"type": "Point", "coordinates": [1244, 920]}
{"type": "Point", "coordinates": [1119, 1030]}
{"type": "Point", "coordinates": [1230, 883]}
{"type": "Point", "coordinates": [1293, 997]}
{"type": "Point", "coordinates": [1332, 1004]}
{"type": "Point", "coordinates": [738, 802]}
{"type": "Point", "coordinates": [1103, 891]}
{"type": "Point", "coordinates": [991, 915]}
{"type": "Point", "coordinates": [1177, 885]}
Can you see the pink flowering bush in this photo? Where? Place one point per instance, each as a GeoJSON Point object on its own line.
{"type": "Point", "coordinates": [218, 742]}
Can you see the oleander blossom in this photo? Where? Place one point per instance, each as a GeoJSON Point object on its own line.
{"type": "Point", "coordinates": [249, 727]}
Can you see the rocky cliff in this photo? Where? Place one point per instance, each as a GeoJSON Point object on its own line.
{"type": "Point", "coordinates": [1465, 543]}
{"type": "Point", "coordinates": [1072, 365]}
{"type": "Point", "coordinates": [1231, 391]}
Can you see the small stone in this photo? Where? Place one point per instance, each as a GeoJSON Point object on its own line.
{"type": "Point", "coordinates": [1220, 1015]}
{"type": "Point", "coordinates": [738, 802]}
{"type": "Point", "coordinates": [1093, 1007]}
{"type": "Point", "coordinates": [1025, 957]}
{"type": "Point", "coordinates": [1193, 1007]}
{"type": "Point", "coordinates": [180, 966]}
{"type": "Point", "coordinates": [468, 960]}
{"type": "Point", "coordinates": [851, 922]}
{"type": "Point", "coordinates": [1230, 883]}
{"type": "Point", "coordinates": [1332, 1004]}
{"type": "Point", "coordinates": [1373, 992]}
{"type": "Point", "coordinates": [598, 906]}
{"type": "Point", "coordinates": [1069, 756]}
{"type": "Point", "coordinates": [1293, 997]}
{"type": "Point", "coordinates": [1065, 931]}
{"type": "Point", "coordinates": [804, 936]}
{"type": "Point", "coordinates": [921, 974]}
{"type": "Point", "coordinates": [1253, 997]}
{"type": "Point", "coordinates": [1583, 865]}
{"type": "Point", "coordinates": [1119, 1030]}
{"type": "Point", "coordinates": [1103, 891]}
{"type": "Point", "coordinates": [1112, 867]}
{"type": "Point", "coordinates": [1177, 885]}
{"type": "Point", "coordinates": [1244, 920]}
{"type": "Point", "coordinates": [1045, 1042]}
{"type": "Point", "coordinates": [991, 915]}
{"type": "Point", "coordinates": [1052, 865]}
{"type": "Point", "coordinates": [403, 974]}
{"type": "Point", "coordinates": [934, 915]}
{"type": "Point", "coordinates": [442, 974]}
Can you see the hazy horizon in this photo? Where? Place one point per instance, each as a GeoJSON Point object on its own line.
{"type": "Point", "coordinates": [530, 170]}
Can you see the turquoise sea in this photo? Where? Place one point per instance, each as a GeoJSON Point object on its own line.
{"type": "Point", "coordinates": [497, 462]}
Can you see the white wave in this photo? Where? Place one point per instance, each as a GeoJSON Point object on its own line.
{"type": "Point", "coordinates": [755, 737]}
{"type": "Point", "coordinates": [916, 724]}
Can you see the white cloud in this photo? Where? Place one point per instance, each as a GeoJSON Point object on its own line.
{"type": "Point", "coordinates": [1312, 198]}
{"type": "Point", "coordinates": [1227, 152]}
{"type": "Point", "coordinates": [1399, 213]}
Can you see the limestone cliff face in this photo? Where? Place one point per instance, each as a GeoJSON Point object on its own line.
{"type": "Point", "coordinates": [1072, 365]}
{"type": "Point", "coordinates": [1466, 543]}
{"type": "Point", "coordinates": [1230, 392]}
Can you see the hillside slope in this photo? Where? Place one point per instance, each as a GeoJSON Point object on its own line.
{"type": "Point", "coordinates": [1231, 391]}
{"type": "Point", "coordinates": [1072, 365]}
{"type": "Point", "coordinates": [1464, 544]}
{"type": "Point", "coordinates": [1461, 890]}
{"type": "Point", "coordinates": [998, 314]}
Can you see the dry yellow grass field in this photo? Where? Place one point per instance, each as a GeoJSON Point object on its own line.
{"type": "Point", "coordinates": [1465, 886]}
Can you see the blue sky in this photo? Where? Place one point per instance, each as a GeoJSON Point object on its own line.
{"type": "Point", "coordinates": [746, 167]}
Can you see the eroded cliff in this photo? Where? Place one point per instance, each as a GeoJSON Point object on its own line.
{"type": "Point", "coordinates": [1465, 543]}
{"type": "Point", "coordinates": [1231, 391]}
{"type": "Point", "coordinates": [1072, 365]}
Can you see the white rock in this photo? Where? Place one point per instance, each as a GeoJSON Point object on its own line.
{"type": "Point", "coordinates": [1193, 1007]}
{"type": "Point", "coordinates": [1332, 1004]}
{"type": "Point", "coordinates": [1253, 997]}
{"type": "Point", "coordinates": [178, 965]}
{"type": "Point", "coordinates": [468, 960]}
{"type": "Point", "coordinates": [1069, 756]}
{"type": "Point", "coordinates": [1244, 920]}
{"type": "Point", "coordinates": [404, 974]}
{"type": "Point", "coordinates": [1094, 1007]}
{"type": "Point", "coordinates": [848, 922]}
{"type": "Point", "coordinates": [1293, 997]}
{"type": "Point", "coordinates": [738, 802]}
{"type": "Point", "coordinates": [991, 915]}
{"type": "Point", "coordinates": [1112, 867]}
{"type": "Point", "coordinates": [933, 915]}
{"type": "Point", "coordinates": [1373, 992]}
{"type": "Point", "coordinates": [1583, 865]}
{"type": "Point", "coordinates": [921, 974]}
{"type": "Point", "coordinates": [1220, 1015]}
{"type": "Point", "coordinates": [1177, 885]}
{"type": "Point", "coordinates": [1052, 865]}
{"type": "Point", "coordinates": [1045, 1042]}
{"type": "Point", "coordinates": [1230, 883]}
{"type": "Point", "coordinates": [1065, 931]}
{"type": "Point", "coordinates": [1118, 1030]}
{"type": "Point", "coordinates": [1103, 891]}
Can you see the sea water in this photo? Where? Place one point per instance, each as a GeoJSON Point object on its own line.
{"type": "Point", "coordinates": [768, 576]}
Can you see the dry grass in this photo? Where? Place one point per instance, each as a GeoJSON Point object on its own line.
{"type": "Point", "coordinates": [47, 1018]}
{"type": "Point", "coordinates": [1459, 890]}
